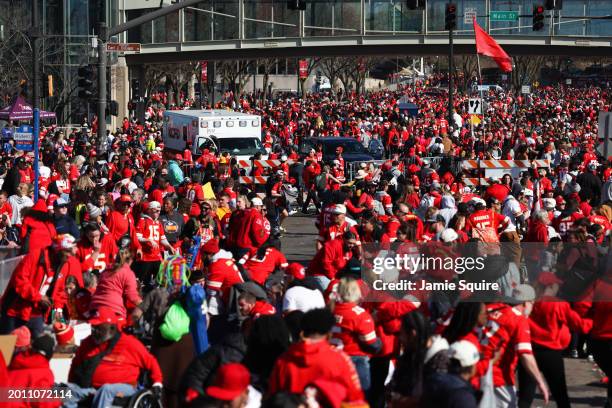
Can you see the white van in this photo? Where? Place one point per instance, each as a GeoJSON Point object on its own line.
{"type": "Point", "coordinates": [217, 130]}
{"type": "Point", "coordinates": [486, 88]}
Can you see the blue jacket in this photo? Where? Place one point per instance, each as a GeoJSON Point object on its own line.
{"type": "Point", "coordinates": [67, 225]}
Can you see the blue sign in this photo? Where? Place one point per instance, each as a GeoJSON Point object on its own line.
{"type": "Point", "coordinates": [24, 138]}
{"type": "Point", "coordinates": [7, 133]}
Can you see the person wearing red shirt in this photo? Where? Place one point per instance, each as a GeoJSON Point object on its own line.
{"type": "Point", "coordinates": [30, 369]}
{"type": "Point", "coordinates": [221, 274]}
{"type": "Point", "coordinates": [550, 323]}
{"type": "Point", "coordinates": [95, 251]}
{"type": "Point", "coordinates": [250, 307]}
{"type": "Point", "coordinates": [354, 332]}
{"type": "Point", "coordinates": [565, 221]}
{"type": "Point", "coordinates": [311, 171]}
{"type": "Point", "coordinates": [596, 305]}
{"type": "Point", "coordinates": [484, 219]}
{"type": "Point", "coordinates": [313, 357]}
{"type": "Point", "coordinates": [5, 207]}
{"type": "Point", "coordinates": [37, 229]}
{"type": "Point", "coordinates": [337, 227]}
{"type": "Point", "coordinates": [120, 359]}
{"type": "Point", "coordinates": [331, 258]}
{"type": "Point", "coordinates": [163, 188]}
{"type": "Point", "coordinates": [150, 234]}
{"type": "Point", "coordinates": [120, 222]}
{"type": "Point", "coordinates": [264, 262]}
{"type": "Point", "coordinates": [508, 332]}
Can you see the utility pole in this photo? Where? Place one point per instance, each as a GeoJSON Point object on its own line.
{"type": "Point", "coordinates": [35, 34]}
{"type": "Point", "coordinates": [102, 34]}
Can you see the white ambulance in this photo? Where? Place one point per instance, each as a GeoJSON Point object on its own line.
{"type": "Point", "coordinates": [216, 130]}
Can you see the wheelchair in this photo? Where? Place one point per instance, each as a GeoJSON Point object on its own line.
{"type": "Point", "coordinates": [142, 398]}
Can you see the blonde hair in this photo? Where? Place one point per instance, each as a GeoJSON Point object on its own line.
{"type": "Point", "coordinates": [349, 290]}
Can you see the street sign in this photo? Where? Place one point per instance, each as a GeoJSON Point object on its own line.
{"type": "Point", "coordinates": [24, 138]}
{"type": "Point", "coordinates": [469, 15]}
{"type": "Point", "coordinates": [605, 134]}
{"type": "Point", "coordinates": [475, 120]}
{"type": "Point", "coordinates": [525, 89]}
{"type": "Point", "coordinates": [504, 16]}
{"type": "Point", "coordinates": [475, 106]}
{"type": "Point", "coordinates": [123, 47]}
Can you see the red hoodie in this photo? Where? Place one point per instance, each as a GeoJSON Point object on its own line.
{"type": "Point", "coordinates": [596, 304]}
{"type": "Point", "coordinates": [551, 320]}
{"type": "Point", "coordinates": [30, 370]}
{"type": "Point", "coordinates": [307, 361]}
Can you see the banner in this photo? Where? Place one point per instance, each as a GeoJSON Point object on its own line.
{"type": "Point", "coordinates": [303, 69]}
{"type": "Point", "coordinates": [204, 72]}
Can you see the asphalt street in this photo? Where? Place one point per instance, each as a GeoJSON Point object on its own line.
{"type": "Point", "coordinates": [583, 377]}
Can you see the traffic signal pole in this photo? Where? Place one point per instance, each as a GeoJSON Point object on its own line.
{"type": "Point", "coordinates": [101, 145]}
{"type": "Point", "coordinates": [36, 33]}
{"type": "Point", "coordinates": [104, 34]}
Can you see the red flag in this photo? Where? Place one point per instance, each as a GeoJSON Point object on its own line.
{"type": "Point", "coordinates": [486, 45]}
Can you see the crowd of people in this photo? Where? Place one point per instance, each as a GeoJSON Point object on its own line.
{"type": "Point", "coordinates": [178, 268]}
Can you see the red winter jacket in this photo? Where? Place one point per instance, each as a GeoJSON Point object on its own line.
{"type": "Point", "coordinates": [307, 361]}
{"type": "Point", "coordinates": [29, 282]}
{"type": "Point", "coordinates": [248, 229]}
{"type": "Point", "coordinates": [596, 305]}
{"type": "Point", "coordinates": [30, 370]}
{"type": "Point", "coordinates": [121, 365]}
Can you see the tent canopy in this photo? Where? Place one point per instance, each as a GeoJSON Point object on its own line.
{"type": "Point", "coordinates": [21, 110]}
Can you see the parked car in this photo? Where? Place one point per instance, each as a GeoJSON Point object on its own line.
{"type": "Point", "coordinates": [353, 150]}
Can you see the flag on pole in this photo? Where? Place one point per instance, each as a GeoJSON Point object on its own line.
{"type": "Point", "coordinates": [486, 45]}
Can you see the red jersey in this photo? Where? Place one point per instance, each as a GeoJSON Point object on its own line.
{"type": "Point", "coordinates": [507, 330]}
{"type": "Point", "coordinates": [563, 224]}
{"type": "Point", "coordinates": [596, 304]}
{"type": "Point", "coordinates": [222, 274]}
{"type": "Point", "coordinates": [119, 224]}
{"type": "Point", "coordinates": [106, 256]}
{"type": "Point", "coordinates": [148, 228]}
{"type": "Point", "coordinates": [487, 219]}
{"type": "Point", "coordinates": [261, 268]}
{"type": "Point", "coordinates": [354, 327]}
{"type": "Point", "coordinates": [335, 231]}
{"type": "Point", "coordinates": [7, 209]}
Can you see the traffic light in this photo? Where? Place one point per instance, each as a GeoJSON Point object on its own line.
{"type": "Point", "coordinates": [48, 85]}
{"type": "Point", "coordinates": [538, 18]}
{"type": "Point", "coordinates": [416, 4]}
{"type": "Point", "coordinates": [87, 84]}
{"type": "Point", "coordinates": [112, 108]}
{"type": "Point", "coordinates": [296, 4]}
{"type": "Point", "coordinates": [553, 4]}
{"type": "Point", "coordinates": [451, 17]}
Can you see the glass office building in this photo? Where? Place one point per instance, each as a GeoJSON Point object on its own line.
{"type": "Point", "coordinates": [215, 20]}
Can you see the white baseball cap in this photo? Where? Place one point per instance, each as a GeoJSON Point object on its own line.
{"type": "Point", "coordinates": [524, 293]}
{"type": "Point", "coordinates": [154, 205]}
{"type": "Point", "coordinates": [465, 352]}
{"type": "Point", "coordinates": [256, 201]}
{"type": "Point", "coordinates": [339, 209]}
{"type": "Point", "coordinates": [449, 235]}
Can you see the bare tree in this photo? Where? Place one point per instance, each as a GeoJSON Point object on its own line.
{"type": "Point", "coordinates": [235, 74]}
{"type": "Point", "coordinates": [468, 65]}
{"type": "Point", "coordinates": [267, 65]}
{"type": "Point", "coordinates": [526, 69]}
{"type": "Point", "coordinates": [333, 68]}
{"type": "Point", "coordinates": [312, 63]}
{"type": "Point", "coordinates": [360, 69]}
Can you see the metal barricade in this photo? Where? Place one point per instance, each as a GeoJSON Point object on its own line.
{"type": "Point", "coordinates": [7, 266]}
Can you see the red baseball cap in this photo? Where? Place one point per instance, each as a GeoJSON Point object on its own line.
{"type": "Point", "coordinates": [126, 198]}
{"type": "Point", "coordinates": [103, 315]}
{"type": "Point", "coordinates": [232, 380]}
{"type": "Point", "coordinates": [296, 270]}
{"type": "Point", "coordinates": [210, 247]}
{"type": "Point", "coordinates": [126, 173]}
{"type": "Point", "coordinates": [548, 278]}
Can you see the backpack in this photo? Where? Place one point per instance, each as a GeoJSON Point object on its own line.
{"type": "Point", "coordinates": [320, 182]}
{"type": "Point", "coordinates": [176, 323]}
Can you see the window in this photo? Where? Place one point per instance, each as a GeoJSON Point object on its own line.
{"type": "Point", "coordinates": [217, 123]}
{"type": "Point", "coordinates": [229, 123]}
{"type": "Point", "coordinates": [242, 123]}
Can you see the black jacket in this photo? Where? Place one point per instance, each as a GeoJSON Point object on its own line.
{"type": "Point", "coordinates": [201, 372]}
{"type": "Point", "coordinates": [445, 390]}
